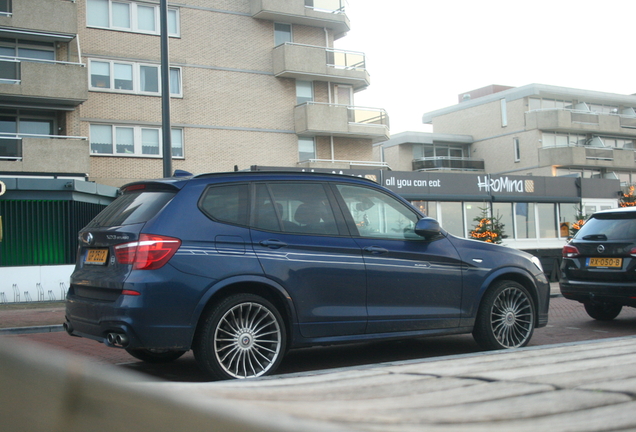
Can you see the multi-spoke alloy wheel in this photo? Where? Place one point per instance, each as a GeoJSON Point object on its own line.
{"type": "Point", "coordinates": [506, 317]}
{"type": "Point", "coordinates": [243, 337]}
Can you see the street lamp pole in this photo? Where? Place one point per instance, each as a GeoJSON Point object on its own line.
{"type": "Point", "coordinates": [165, 91]}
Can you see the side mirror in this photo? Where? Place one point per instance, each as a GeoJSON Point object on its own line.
{"type": "Point", "coordinates": [428, 228]}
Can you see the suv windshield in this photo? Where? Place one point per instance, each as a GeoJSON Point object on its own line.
{"type": "Point", "coordinates": [132, 208]}
{"type": "Point", "coordinates": [609, 226]}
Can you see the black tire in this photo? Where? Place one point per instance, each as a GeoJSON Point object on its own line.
{"type": "Point", "coordinates": [506, 317]}
{"type": "Point", "coordinates": [243, 336]}
{"type": "Point", "coordinates": [602, 311]}
{"type": "Point", "coordinates": [154, 356]}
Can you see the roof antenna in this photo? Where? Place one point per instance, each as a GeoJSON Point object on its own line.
{"type": "Point", "coordinates": [235, 168]}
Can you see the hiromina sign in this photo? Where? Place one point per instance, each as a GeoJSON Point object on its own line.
{"type": "Point", "coordinates": [439, 186]}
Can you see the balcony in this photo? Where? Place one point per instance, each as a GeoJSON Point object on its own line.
{"type": "Point", "coordinates": [580, 121]}
{"type": "Point", "coordinates": [50, 16]}
{"type": "Point", "coordinates": [448, 164]}
{"type": "Point", "coordinates": [52, 153]}
{"type": "Point", "coordinates": [587, 156]}
{"type": "Point", "coordinates": [321, 119]}
{"type": "Point", "coordinates": [312, 63]}
{"type": "Point", "coordinates": [315, 13]}
{"type": "Point", "coordinates": [42, 81]}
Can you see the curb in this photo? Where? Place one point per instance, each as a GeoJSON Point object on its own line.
{"type": "Point", "coordinates": [32, 329]}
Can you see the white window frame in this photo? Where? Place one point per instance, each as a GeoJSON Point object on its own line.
{"type": "Point", "coordinates": [137, 141]}
{"type": "Point", "coordinates": [136, 77]}
{"type": "Point", "coordinates": [517, 149]}
{"type": "Point", "coordinates": [134, 25]}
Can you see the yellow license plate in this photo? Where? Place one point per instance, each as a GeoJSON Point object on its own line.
{"type": "Point", "coordinates": [96, 256]}
{"type": "Point", "coordinates": [605, 262]}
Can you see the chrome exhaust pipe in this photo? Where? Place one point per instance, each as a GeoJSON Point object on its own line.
{"type": "Point", "coordinates": [112, 338]}
{"type": "Point", "coordinates": [122, 340]}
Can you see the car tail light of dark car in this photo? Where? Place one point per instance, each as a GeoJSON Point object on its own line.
{"type": "Point", "coordinates": [570, 251]}
{"type": "Point", "coordinates": [150, 252]}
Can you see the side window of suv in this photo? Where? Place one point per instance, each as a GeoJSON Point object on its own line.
{"type": "Point", "coordinates": [301, 208]}
{"type": "Point", "coordinates": [378, 215]}
{"type": "Point", "coordinates": [227, 203]}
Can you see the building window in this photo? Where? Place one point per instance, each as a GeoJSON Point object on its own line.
{"type": "Point", "coordinates": [306, 149]}
{"type": "Point", "coordinates": [132, 141]}
{"type": "Point", "coordinates": [134, 78]}
{"type": "Point", "coordinates": [525, 220]}
{"type": "Point", "coordinates": [5, 7]}
{"type": "Point", "coordinates": [177, 143]}
{"type": "Point", "coordinates": [504, 113]}
{"type": "Point", "coordinates": [129, 16]}
{"type": "Point", "coordinates": [27, 49]}
{"type": "Point", "coordinates": [27, 122]}
{"type": "Point", "coordinates": [282, 33]}
{"type": "Point", "coordinates": [304, 92]}
{"type": "Point", "coordinates": [517, 149]}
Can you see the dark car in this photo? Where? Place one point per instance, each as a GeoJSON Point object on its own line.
{"type": "Point", "coordinates": [599, 264]}
{"type": "Point", "coordinates": [240, 267]}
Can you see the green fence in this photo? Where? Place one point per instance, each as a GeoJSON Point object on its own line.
{"type": "Point", "coordinates": [39, 232]}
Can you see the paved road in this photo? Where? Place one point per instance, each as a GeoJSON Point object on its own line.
{"type": "Point", "coordinates": [568, 323]}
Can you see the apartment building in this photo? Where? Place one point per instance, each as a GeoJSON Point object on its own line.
{"type": "Point", "coordinates": [546, 130]}
{"type": "Point", "coordinates": [251, 82]}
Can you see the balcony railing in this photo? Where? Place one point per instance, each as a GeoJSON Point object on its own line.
{"type": "Point", "coordinates": [448, 163]}
{"type": "Point", "coordinates": [315, 63]}
{"type": "Point", "coordinates": [572, 119]}
{"type": "Point", "coordinates": [10, 148]}
{"type": "Point", "coordinates": [349, 60]}
{"type": "Point", "coordinates": [331, 6]}
{"type": "Point", "coordinates": [324, 119]}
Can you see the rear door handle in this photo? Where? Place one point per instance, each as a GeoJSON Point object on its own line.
{"type": "Point", "coordinates": [273, 244]}
{"type": "Point", "coordinates": [376, 250]}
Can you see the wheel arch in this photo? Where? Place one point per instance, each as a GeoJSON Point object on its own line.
{"type": "Point", "coordinates": [263, 287]}
{"type": "Point", "coordinates": [508, 274]}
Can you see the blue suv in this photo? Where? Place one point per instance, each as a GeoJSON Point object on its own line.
{"type": "Point", "coordinates": [240, 267]}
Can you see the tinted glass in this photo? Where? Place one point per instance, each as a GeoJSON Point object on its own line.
{"type": "Point", "coordinates": [226, 203]}
{"type": "Point", "coordinates": [302, 208]}
{"type": "Point", "coordinates": [132, 208]}
{"type": "Point", "coordinates": [609, 226]}
{"type": "Point", "coordinates": [379, 215]}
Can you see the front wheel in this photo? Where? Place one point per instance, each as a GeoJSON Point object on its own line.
{"type": "Point", "coordinates": [506, 317]}
{"type": "Point", "coordinates": [602, 311]}
{"type": "Point", "coordinates": [242, 337]}
{"type": "Point", "coordinates": [154, 356]}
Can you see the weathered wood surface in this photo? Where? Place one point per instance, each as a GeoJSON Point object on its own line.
{"type": "Point", "coordinates": [576, 387]}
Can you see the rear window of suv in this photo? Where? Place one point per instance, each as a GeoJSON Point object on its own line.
{"type": "Point", "coordinates": [132, 208]}
{"type": "Point", "coordinates": [609, 226]}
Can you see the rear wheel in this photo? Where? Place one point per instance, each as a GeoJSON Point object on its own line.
{"type": "Point", "coordinates": [154, 356]}
{"type": "Point", "coordinates": [506, 317]}
{"type": "Point", "coordinates": [241, 337]}
{"type": "Point", "coordinates": [602, 311]}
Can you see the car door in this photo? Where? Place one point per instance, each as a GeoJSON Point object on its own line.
{"type": "Point", "coordinates": [304, 245]}
{"type": "Point", "coordinates": [412, 283]}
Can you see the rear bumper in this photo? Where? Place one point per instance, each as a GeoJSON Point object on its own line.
{"type": "Point", "coordinates": [606, 292]}
{"type": "Point", "coordinates": [95, 321]}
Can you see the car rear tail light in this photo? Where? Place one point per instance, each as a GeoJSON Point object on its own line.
{"type": "Point", "coordinates": [149, 253]}
{"type": "Point", "coordinates": [633, 252]}
{"type": "Point", "coordinates": [570, 251]}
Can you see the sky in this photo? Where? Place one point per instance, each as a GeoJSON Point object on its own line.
{"type": "Point", "coordinates": [421, 54]}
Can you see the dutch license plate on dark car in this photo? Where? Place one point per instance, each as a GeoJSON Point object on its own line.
{"type": "Point", "coordinates": [96, 256]}
{"type": "Point", "coordinates": [605, 262]}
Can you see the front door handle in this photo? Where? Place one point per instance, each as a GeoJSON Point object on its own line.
{"type": "Point", "coordinates": [376, 250]}
{"type": "Point", "coordinates": [273, 244]}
